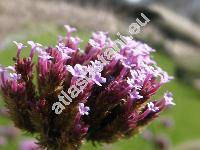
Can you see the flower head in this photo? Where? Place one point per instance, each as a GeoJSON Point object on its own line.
{"type": "Point", "coordinates": [103, 95]}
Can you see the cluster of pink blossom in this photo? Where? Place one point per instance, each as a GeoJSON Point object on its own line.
{"type": "Point", "coordinates": [112, 103]}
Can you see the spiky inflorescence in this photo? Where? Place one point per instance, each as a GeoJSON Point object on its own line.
{"type": "Point", "coordinates": [113, 105]}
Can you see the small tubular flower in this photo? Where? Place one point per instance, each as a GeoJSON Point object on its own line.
{"type": "Point", "coordinates": [15, 76]}
{"type": "Point", "coordinates": [83, 110]}
{"type": "Point", "coordinates": [20, 46]}
{"type": "Point", "coordinates": [152, 107]}
{"type": "Point", "coordinates": [169, 99]}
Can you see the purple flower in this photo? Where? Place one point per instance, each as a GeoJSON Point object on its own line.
{"type": "Point", "coordinates": [29, 145]}
{"type": "Point", "coordinates": [94, 44]}
{"type": "Point", "coordinates": [78, 70]}
{"type": "Point", "coordinates": [20, 46]}
{"type": "Point", "coordinates": [1, 69]}
{"type": "Point", "coordinates": [42, 54]}
{"type": "Point", "coordinates": [69, 29]}
{"type": "Point", "coordinates": [3, 76]}
{"type": "Point", "coordinates": [97, 66]}
{"type": "Point", "coordinates": [45, 57]}
{"type": "Point", "coordinates": [33, 44]}
{"type": "Point", "coordinates": [164, 77]}
{"type": "Point", "coordinates": [15, 76]}
{"type": "Point", "coordinates": [96, 77]}
{"type": "Point", "coordinates": [100, 37]}
{"type": "Point", "coordinates": [169, 99]}
{"type": "Point", "coordinates": [152, 107]}
{"type": "Point", "coordinates": [133, 84]}
{"type": "Point", "coordinates": [136, 95]}
{"type": "Point", "coordinates": [65, 51]}
{"type": "Point", "coordinates": [83, 110]}
{"type": "Point", "coordinates": [62, 48]}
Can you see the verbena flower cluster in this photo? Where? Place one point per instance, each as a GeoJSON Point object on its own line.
{"type": "Point", "coordinates": [115, 104]}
